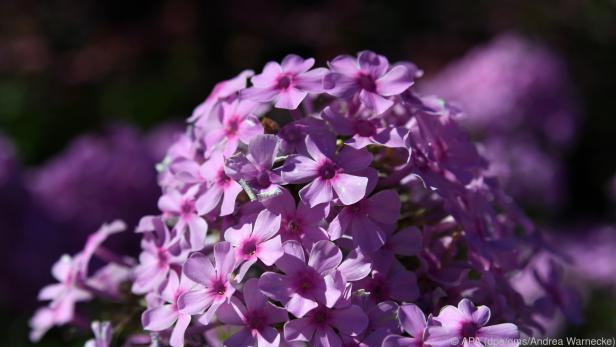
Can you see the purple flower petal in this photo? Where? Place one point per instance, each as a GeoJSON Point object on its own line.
{"type": "Point", "coordinates": [266, 225]}
{"type": "Point", "coordinates": [270, 251]}
{"type": "Point", "coordinates": [372, 63]}
{"type": "Point", "coordinates": [349, 188]}
{"type": "Point", "coordinates": [293, 259]}
{"type": "Point", "coordinates": [368, 235]}
{"type": "Point", "coordinates": [350, 321]}
{"type": "Point", "coordinates": [299, 330]}
{"type": "Point", "coordinates": [299, 169]}
{"type": "Point", "coordinates": [351, 159]}
{"type": "Point", "coordinates": [355, 267]}
{"type": "Point", "coordinates": [326, 337]}
{"type": "Point", "coordinates": [412, 319]}
{"type": "Point", "coordinates": [179, 330]}
{"type": "Point", "coordinates": [159, 318]}
{"type": "Point", "coordinates": [225, 258]}
{"type": "Point", "coordinates": [317, 192]}
{"type": "Point", "coordinates": [498, 331]}
{"type": "Point", "coordinates": [394, 82]}
{"type": "Point", "coordinates": [299, 305]}
{"type": "Point", "coordinates": [242, 338]}
{"type": "Point", "coordinates": [311, 81]}
{"type": "Point", "coordinates": [198, 268]}
{"type": "Point", "coordinates": [290, 98]}
{"type": "Point", "coordinates": [232, 312]}
{"type": "Point", "coordinates": [324, 257]}
{"type": "Point", "coordinates": [374, 101]}
{"type": "Point", "coordinates": [274, 285]}
{"type": "Point", "coordinates": [295, 64]}
{"type": "Point", "coordinates": [384, 206]}
{"type": "Point", "coordinates": [194, 302]}
{"type": "Point", "coordinates": [268, 337]}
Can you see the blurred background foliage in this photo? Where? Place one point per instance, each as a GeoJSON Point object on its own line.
{"type": "Point", "coordinates": [69, 67]}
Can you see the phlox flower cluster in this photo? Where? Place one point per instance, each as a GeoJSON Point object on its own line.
{"type": "Point", "coordinates": [328, 206]}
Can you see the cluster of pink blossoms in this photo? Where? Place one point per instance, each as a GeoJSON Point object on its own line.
{"type": "Point", "coordinates": [328, 206]}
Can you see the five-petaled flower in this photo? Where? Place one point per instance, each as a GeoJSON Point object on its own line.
{"type": "Point", "coordinates": [287, 83]}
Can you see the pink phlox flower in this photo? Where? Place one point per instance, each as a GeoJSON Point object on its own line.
{"type": "Point", "coordinates": [322, 326]}
{"type": "Point", "coordinates": [367, 219]}
{"type": "Point", "coordinates": [370, 77]}
{"type": "Point", "coordinates": [235, 123]}
{"type": "Point", "coordinates": [305, 285]}
{"type": "Point", "coordinates": [166, 314]}
{"type": "Point", "coordinates": [215, 282]}
{"type": "Point", "coordinates": [63, 296]}
{"type": "Point", "coordinates": [299, 222]}
{"type": "Point", "coordinates": [343, 175]}
{"type": "Point", "coordinates": [287, 84]}
{"type": "Point", "coordinates": [465, 325]}
{"type": "Point", "coordinates": [158, 253]}
{"type": "Point", "coordinates": [256, 241]}
{"type": "Point", "coordinates": [256, 317]}
{"type": "Point", "coordinates": [256, 166]}
{"type": "Point", "coordinates": [183, 207]}
{"type": "Point", "coordinates": [221, 189]}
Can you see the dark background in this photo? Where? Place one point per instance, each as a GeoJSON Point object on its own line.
{"type": "Point", "coordinates": [69, 67]}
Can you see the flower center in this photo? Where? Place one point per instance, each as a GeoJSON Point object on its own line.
{"type": "Point", "coordinates": [222, 178]}
{"type": "Point", "coordinates": [263, 179]}
{"type": "Point", "coordinates": [187, 208]}
{"type": "Point", "coordinates": [293, 226]}
{"type": "Point", "coordinates": [320, 316]}
{"type": "Point", "coordinates": [468, 329]}
{"type": "Point", "coordinates": [255, 320]}
{"type": "Point", "coordinates": [364, 128]}
{"type": "Point", "coordinates": [305, 281]}
{"type": "Point", "coordinates": [249, 247]}
{"type": "Point", "coordinates": [328, 170]}
{"type": "Point", "coordinates": [366, 82]}
{"type": "Point", "coordinates": [218, 287]}
{"type": "Point", "coordinates": [233, 126]}
{"type": "Point", "coordinates": [163, 257]}
{"type": "Point", "coordinates": [378, 289]}
{"type": "Point", "coordinates": [284, 82]}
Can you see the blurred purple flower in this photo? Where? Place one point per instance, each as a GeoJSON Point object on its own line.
{"type": "Point", "coordinates": [516, 94]}
{"type": "Point", "coordinates": [102, 335]}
